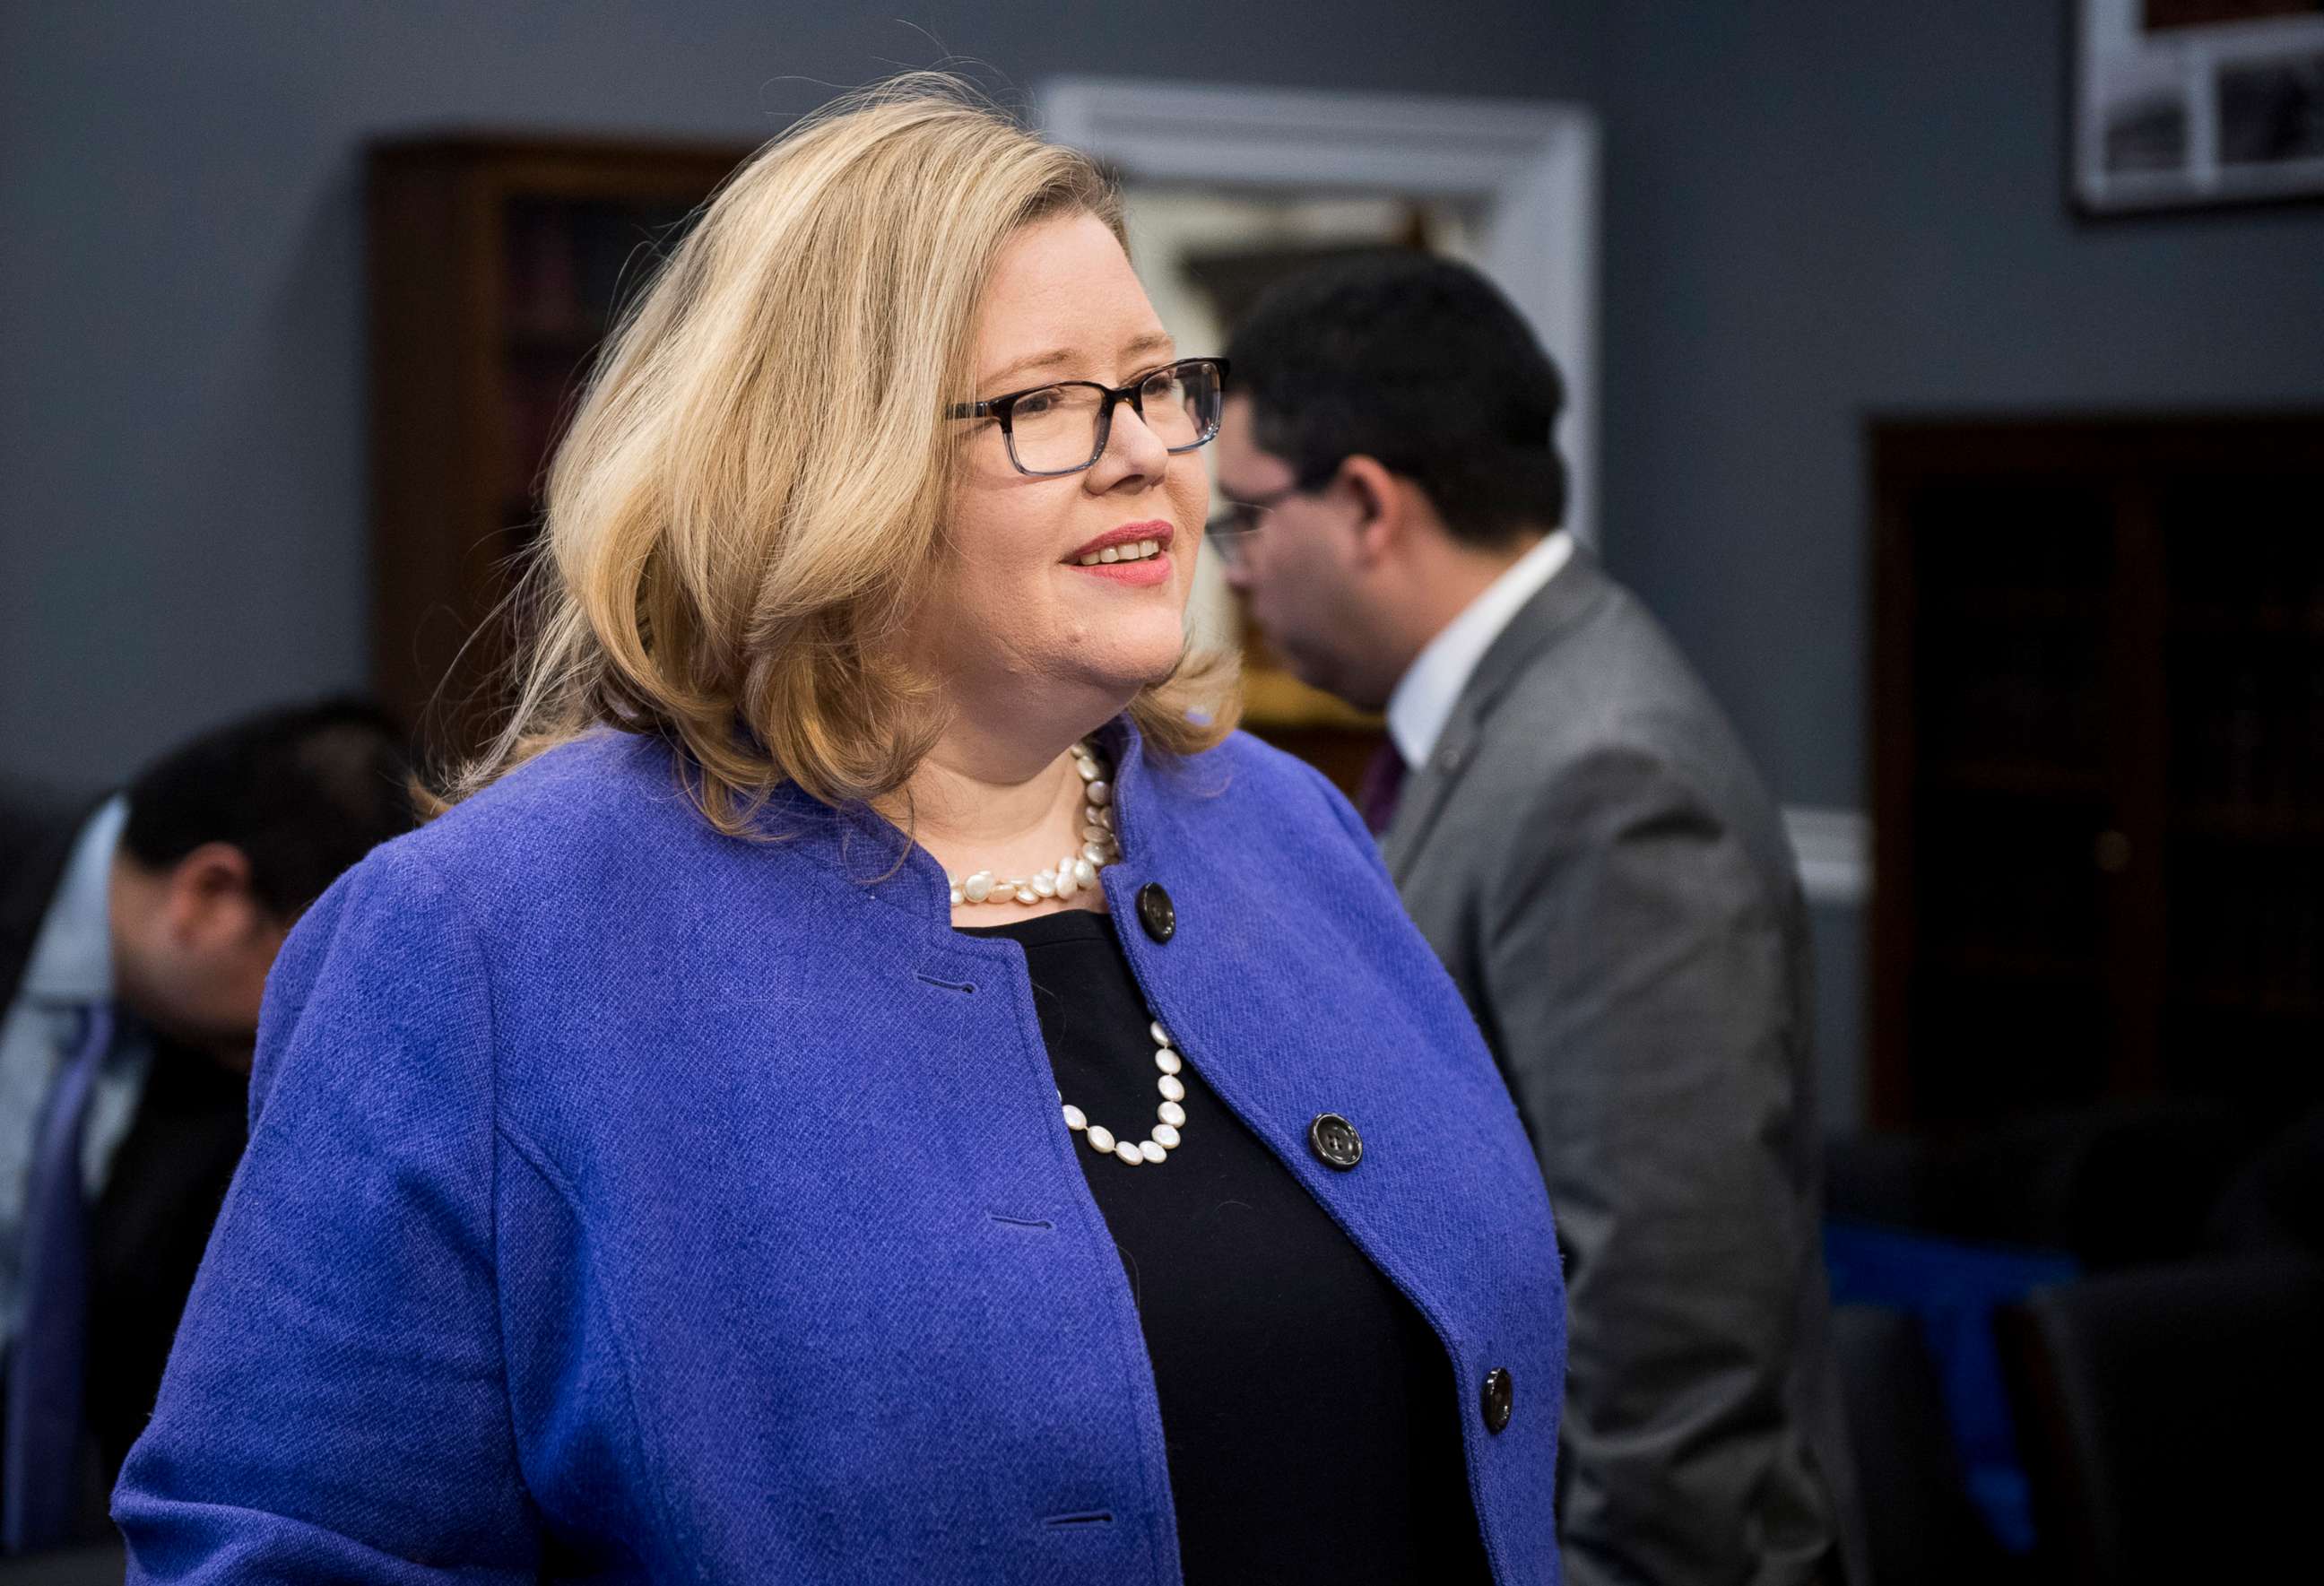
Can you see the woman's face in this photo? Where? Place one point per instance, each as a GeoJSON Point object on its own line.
{"type": "Point", "coordinates": [1017, 609]}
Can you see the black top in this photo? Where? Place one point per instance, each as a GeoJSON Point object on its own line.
{"type": "Point", "coordinates": [1313, 1424]}
{"type": "Point", "coordinates": [147, 1233]}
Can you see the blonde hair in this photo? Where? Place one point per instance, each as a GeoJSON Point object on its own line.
{"type": "Point", "coordinates": [751, 498]}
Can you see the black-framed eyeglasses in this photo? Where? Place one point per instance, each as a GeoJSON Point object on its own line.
{"type": "Point", "coordinates": [1230, 528]}
{"type": "Point", "coordinates": [1062, 428]}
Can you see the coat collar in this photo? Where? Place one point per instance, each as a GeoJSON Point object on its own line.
{"type": "Point", "coordinates": [1564, 600]}
{"type": "Point", "coordinates": [71, 957]}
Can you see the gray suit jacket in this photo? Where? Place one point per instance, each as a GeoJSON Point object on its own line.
{"type": "Point", "coordinates": [1591, 855]}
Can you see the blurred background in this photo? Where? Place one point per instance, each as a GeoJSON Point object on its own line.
{"type": "Point", "coordinates": [1950, 379]}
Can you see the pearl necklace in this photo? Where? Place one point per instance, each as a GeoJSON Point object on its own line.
{"type": "Point", "coordinates": [1168, 1118]}
{"type": "Point", "coordinates": [1072, 874]}
{"type": "Point", "coordinates": [1075, 871]}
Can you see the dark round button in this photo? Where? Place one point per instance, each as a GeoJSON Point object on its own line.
{"type": "Point", "coordinates": [1156, 912]}
{"type": "Point", "coordinates": [1498, 1398]}
{"type": "Point", "coordinates": [1335, 1140]}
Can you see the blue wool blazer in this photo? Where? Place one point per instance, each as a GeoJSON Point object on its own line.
{"type": "Point", "coordinates": [631, 1203]}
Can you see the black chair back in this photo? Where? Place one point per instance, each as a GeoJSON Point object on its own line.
{"type": "Point", "coordinates": [2170, 1420]}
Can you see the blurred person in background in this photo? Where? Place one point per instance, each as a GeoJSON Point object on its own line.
{"type": "Point", "coordinates": [693, 1155]}
{"type": "Point", "coordinates": [135, 938]}
{"type": "Point", "coordinates": [1579, 834]}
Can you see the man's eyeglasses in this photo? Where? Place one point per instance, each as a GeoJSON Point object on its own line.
{"type": "Point", "coordinates": [1230, 528]}
{"type": "Point", "coordinates": [1062, 428]}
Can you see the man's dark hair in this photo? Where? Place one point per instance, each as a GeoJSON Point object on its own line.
{"type": "Point", "coordinates": [303, 792]}
{"type": "Point", "coordinates": [1420, 364]}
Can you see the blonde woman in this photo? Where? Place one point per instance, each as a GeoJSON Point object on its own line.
{"type": "Point", "coordinates": [870, 1082]}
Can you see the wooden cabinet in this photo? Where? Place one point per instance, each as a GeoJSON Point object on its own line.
{"type": "Point", "coordinates": [497, 266]}
{"type": "Point", "coordinates": [2099, 777]}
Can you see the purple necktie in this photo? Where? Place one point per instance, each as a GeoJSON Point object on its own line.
{"type": "Point", "coordinates": [44, 1364]}
{"type": "Point", "coordinates": [1383, 785]}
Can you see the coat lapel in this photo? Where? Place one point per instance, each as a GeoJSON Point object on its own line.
{"type": "Point", "coordinates": [1576, 591]}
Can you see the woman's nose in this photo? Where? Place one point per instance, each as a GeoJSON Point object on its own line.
{"type": "Point", "coordinates": [1134, 443]}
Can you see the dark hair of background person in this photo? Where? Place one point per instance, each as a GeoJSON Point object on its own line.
{"type": "Point", "coordinates": [1421, 365]}
{"type": "Point", "coordinates": [304, 792]}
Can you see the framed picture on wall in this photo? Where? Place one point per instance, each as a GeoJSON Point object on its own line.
{"type": "Point", "coordinates": [2180, 104]}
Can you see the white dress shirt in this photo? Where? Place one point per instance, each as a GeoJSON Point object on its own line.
{"type": "Point", "coordinates": [1423, 697]}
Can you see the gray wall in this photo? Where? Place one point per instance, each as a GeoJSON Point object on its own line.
{"type": "Point", "coordinates": [1818, 211]}
{"type": "Point", "coordinates": [181, 389]}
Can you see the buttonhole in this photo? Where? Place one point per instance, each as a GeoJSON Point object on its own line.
{"type": "Point", "coordinates": [1063, 1522]}
{"type": "Point", "coordinates": [1021, 1221]}
{"type": "Point", "coordinates": [947, 985]}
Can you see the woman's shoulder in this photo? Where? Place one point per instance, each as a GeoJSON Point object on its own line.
{"type": "Point", "coordinates": [600, 811]}
{"type": "Point", "coordinates": [1262, 769]}
{"type": "Point", "coordinates": [1250, 785]}
{"type": "Point", "coordinates": [602, 778]}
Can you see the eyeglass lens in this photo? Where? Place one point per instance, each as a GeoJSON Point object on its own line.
{"type": "Point", "coordinates": [1055, 430]}
{"type": "Point", "coordinates": [1229, 531]}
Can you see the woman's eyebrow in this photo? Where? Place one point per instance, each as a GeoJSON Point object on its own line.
{"type": "Point", "coordinates": [1048, 360]}
{"type": "Point", "coordinates": [1153, 341]}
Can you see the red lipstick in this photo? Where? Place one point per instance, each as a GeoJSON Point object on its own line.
{"type": "Point", "coordinates": [1155, 529]}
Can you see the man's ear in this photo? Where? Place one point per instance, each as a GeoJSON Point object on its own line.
{"type": "Point", "coordinates": [210, 896]}
{"type": "Point", "coordinates": [1379, 501]}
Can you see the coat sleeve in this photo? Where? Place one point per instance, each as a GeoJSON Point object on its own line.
{"type": "Point", "coordinates": [1637, 978]}
{"type": "Point", "coordinates": [336, 1407]}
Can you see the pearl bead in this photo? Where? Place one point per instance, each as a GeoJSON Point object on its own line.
{"type": "Point", "coordinates": [1166, 1060]}
{"type": "Point", "coordinates": [1025, 894]}
{"type": "Point", "coordinates": [1171, 1088]}
{"type": "Point", "coordinates": [1076, 1118]}
{"type": "Point", "coordinates": [1086, 767]}
{"type": "Point", "coordinates": [1166, 1137]}
{"type": "Point", "coordinates": [958, 898]}
{"type": "Point", "coordinates": [1171, 1113]}
{"type": "Point", "coordinates": [1151, 1150]}
{"type": "Point", "coordinates": [1105, 818]}
{"type": "Point", "coordinates": [978, 887]}
{"type": "Point", "coordinates": [1101, 1138]}
{"type": "Point", "coordinates": [1084, 871]}
{"type": "Point", "coordinates": [1093, 834]}
{"type": "Point", "coordinates": [1129, 1153]}
{"type": "Point", "coordinates": [1095, 855]}
{"type": "Point", "coordinates": [1068, 884]}
{"type": "Point", "coordinates": [1098, 792]}
{"type": "Point", "coordinates": [1161, 1036]}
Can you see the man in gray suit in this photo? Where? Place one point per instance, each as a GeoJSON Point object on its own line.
{"type": "Point", "coordinates": [1583, 840]}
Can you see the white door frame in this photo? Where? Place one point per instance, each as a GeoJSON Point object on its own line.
{"type": "Point", "coordinates": [1530, 168]}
